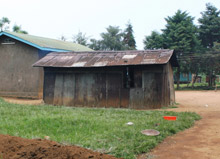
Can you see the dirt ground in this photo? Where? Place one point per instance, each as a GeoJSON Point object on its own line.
{"type": "Point", "coordinates": [202, 141]}
{"type": "Point", "coordinates": [18, 148]}
{"type": "Point", "coordinates": [24, 101]}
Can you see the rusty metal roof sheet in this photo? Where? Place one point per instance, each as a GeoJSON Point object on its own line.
{"type": "Point", "coordinates": [107, 58]}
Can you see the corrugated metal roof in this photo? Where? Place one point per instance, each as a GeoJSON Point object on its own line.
{"type": "Point", "coordinates": [46, 43]}
{"type": "Point", "coordinates": [107, 58]}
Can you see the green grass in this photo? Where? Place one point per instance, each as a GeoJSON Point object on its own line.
{"type": "Point", "coordinates": [197, 86]}
{"type": "Point", "coordinates": [102, 130]}
{"type": "Point", "coordinates": [170, 107]}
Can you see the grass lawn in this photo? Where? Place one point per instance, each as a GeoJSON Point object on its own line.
{"type": "Point", "coordinates": [103, 130]}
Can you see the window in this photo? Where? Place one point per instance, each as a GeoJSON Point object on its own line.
{"type": "Point", "coordinates": [132, 78]}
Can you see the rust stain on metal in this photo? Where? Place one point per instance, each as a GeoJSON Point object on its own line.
{"type": "Point", "coordinates": [105, 58]}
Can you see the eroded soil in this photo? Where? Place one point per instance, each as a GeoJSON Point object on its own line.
{"type": "Point", "coordinates": [18, 148]}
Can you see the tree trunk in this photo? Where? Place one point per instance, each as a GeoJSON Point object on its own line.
{"type": "Point", "coordinates": [194, 79]}
{"type": "Point", "coordinates": [210, 79]}
{"type": "Point", "coordinates": [178, 78]}
{"type": "Point", "coordinates": [188, 80]}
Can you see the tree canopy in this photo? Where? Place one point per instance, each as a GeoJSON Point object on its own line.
{"type": "Point", "coordinates": [154, 41]}
{"type": "Point", "coordinates": [209, 28]}
{"type": "Point", "coordinates": [3, 23]}
{"type": "Point", "coordinates": [112, 39]}
{"type": "Point", "coordinates": [18, 29]}
{"type": "Point", "coordinates": [81, 38]}
{"type": "Point", "coordinates": [180, 33]}
{"type": "Point", "coordinates": [115, 39]}
{"type": "Point", "coordinates": [128, 38]}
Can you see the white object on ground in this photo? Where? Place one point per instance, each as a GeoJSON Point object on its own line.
{"type": "Point", "coordinates": [206, 105]}
{"type": "Point", "coordinates": [130, 123]}
{"type": "Point", "coordinates": [150, 132]}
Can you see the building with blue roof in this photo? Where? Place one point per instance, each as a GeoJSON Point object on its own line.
{"type": "Point", "coordinates": [17, 54]}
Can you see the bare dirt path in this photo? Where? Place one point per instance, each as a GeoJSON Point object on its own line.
{"type": "Point", "coordinates": [24, 101]}
{"type": "Point", "coordinates": [202, 141]}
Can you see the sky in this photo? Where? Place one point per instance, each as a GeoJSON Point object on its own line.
{"type": "Point", "coordinates": [56, 18]}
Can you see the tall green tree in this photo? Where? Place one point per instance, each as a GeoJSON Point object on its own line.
{"type": "Point", "coordinates": [209, 28]}
{"type": "Point", "coordinates": [180, 34]}
{"type": "Point", "coordinates": [209, 33]}
{"type": "Point", "coordinates": [3, 23]}
{"type": "Point", "coordinates": [81, 38]}
{"type": "Point", "coordinates": [129, 41]}
{"type": "Point", "coordinates": [112, 39]}
{"type": "Point", "coordinates": [154, 41]}
{"type": "Point", "coordinates": [18, 29]}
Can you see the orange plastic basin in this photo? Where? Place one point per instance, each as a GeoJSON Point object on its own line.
{"type": "Point", "coordinates": [169, 117]}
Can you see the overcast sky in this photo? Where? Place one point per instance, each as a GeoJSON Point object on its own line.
{"type": "Point", "coordinates": [54, 18]}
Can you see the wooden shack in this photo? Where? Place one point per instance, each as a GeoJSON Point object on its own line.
{"type": "Point", "coordinates": [119, 79]}
{"type": "Point", "coordinates": [17, 54]}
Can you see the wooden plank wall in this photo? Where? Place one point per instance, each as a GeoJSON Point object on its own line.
{"type": "Point", "coordinates": [83, 89]}
{"type": "Point", "coordinates": [107, 89]}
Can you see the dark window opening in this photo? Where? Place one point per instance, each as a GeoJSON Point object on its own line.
{"type": "Point", "coordinates": [8, 41]}
{"type": "Point", "coordinates": [132, 78]}
{"type": "Point", "coordinates": [128, 78]}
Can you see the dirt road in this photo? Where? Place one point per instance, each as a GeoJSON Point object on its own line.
{"type": "Point", "coordinates": [202, 141]}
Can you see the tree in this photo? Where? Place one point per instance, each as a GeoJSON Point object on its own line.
{"type": "Point", "coordinates": [112, 39]}
{"type": "Point", "coordinates": [153, 41]}
{"type": "Point", "coordinates": [209, 29]}
{"type": "Point", "coordinates": [129, 41]}
{"type": "Point", "coordinates": [209, 33]}
{"type": "Point", "coordinates": [211, 63]}
{"type": "Point", "coordinates": [95, 44]}
{"type": "Point", "coordinates": [180, 34]}
{"type": "Point", "coordinates": [3, 23]}
{"type": "Point", "coordinates": [18, 29]}
{"type": "Point", "coordinates": [62, 37]}
{"type": "Point", "coordinates": [80, 38]}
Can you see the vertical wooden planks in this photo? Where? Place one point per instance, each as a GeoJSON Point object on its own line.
{"type": "Point", "coordinates": [158, 90]}
{"type": "Point", "coordinates": [136, 98]}
{"type": "Point", "coordinates": [148, 86]}
{"type": "Point", "coordinates": [99, 90]}
{"type": "Point", "coordinates": [58, 90]}
{"type": "Point", "coordinates": [152, 85]}
{"type": "Point", "coordinates": [79, 86]}
{"type": "Point", "coordinates": [113, 87]}
{"type": "Point", "coordinates": [49, 83]}
{"type": "Point", "coordinates": [171, 84]}
{"type": "Point", "coordinates": [124, 101]}
{"type": "Point", "coordinates": [89, 80]}
{"type": "Point", "coordinates": [69, 89]}
{"type": "Point", "coordinates": [84, 86]}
